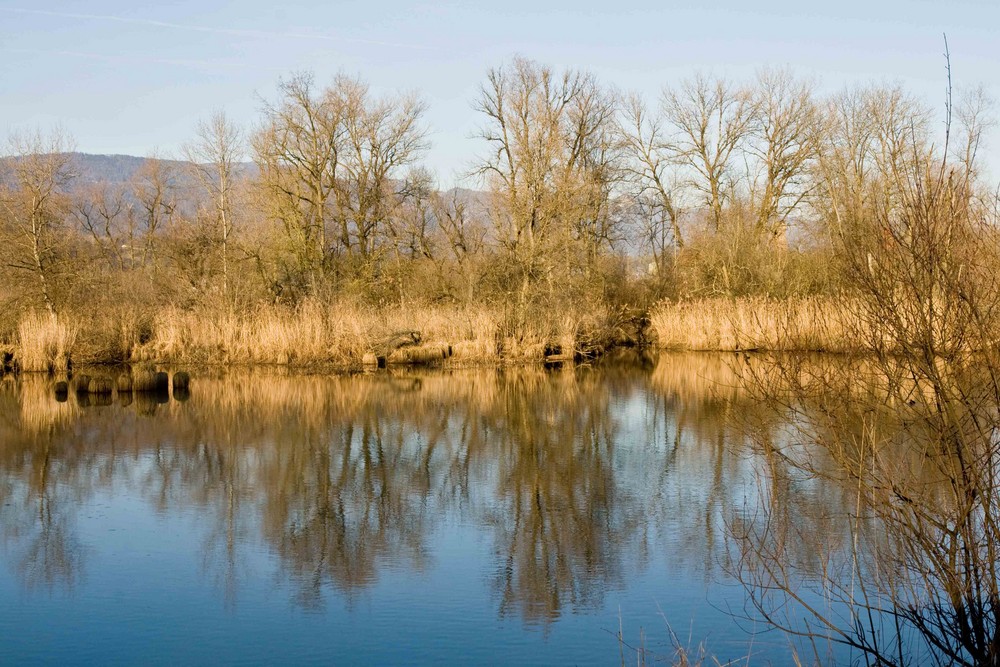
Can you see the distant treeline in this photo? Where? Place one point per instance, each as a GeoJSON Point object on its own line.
{"type": "Point", "coordinates": [585, 206]}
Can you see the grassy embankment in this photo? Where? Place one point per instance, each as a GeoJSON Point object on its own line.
{"type": "Point", "coordinates": [340, 335]}
{"type": "Point", "coordinates": [313, 335]}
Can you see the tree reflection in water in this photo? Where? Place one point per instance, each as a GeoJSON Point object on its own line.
{"type": "Point", "coordinates": [42, 474]}
{"type": "Point", "coordinates": [575, 476]}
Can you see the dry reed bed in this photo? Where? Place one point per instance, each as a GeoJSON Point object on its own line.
{"type": "Point", "coordinates": [44, 342]}
{"type": "Point", "coordinates": [726, 324]}
{"type": "Point", "coordinates": [337, 334]}
{"type": "Point", "coordinates": [311, 334]}
{"type": "Point", "coordinates": [340, 334]}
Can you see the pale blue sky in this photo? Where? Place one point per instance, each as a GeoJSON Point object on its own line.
{"type": "Point", "coordinates": [128, 77]}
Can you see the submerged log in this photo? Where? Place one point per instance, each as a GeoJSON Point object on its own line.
{"type": "Point", "coordinates": [390, 349]}
{"type": "Point", "coordinates": [399, 340]}
{"type": "Point", "coordinates": [422, 354]}
{"type": "Point", "coordinates": [372, 360]}
{"type": "Point", "coordinates": [556, 353]}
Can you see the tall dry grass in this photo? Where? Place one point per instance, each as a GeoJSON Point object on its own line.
{"type": "Point", "coordinates": [340, 334]}
{"type": "Point", "coordinates": [727, 324]}
{"type": "Point", "coordinates": [45, 342]}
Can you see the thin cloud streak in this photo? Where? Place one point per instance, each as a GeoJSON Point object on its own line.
{"type": "Point", "coordinates": [199, 64]}
{"type": "Point", "coordinates": [236, 32]}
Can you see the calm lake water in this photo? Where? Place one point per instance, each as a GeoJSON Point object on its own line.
{"type": "Point", "coordinates": [516, 516]}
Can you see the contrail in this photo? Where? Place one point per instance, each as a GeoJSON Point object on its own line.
{"type": "Point", "coordinates": [208, 29]}
{"type": "Point", "coordinates": [203, 64]}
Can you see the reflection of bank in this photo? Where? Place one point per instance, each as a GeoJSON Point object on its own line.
{"type": "Point", "coordinates": [577, 478]}
{"type": "Point", "coordinates": [41, 536]}
{"type": "Point", "coordinates": [46, 465]}
{"type": "Point", "coordinates": [39, 407]}
{"type": "Point", "coordinates": [39, 469]}
{"type": "Point", "coordinates": [147, 402]}
{"type": "Point", "coordinates": [147, 389]}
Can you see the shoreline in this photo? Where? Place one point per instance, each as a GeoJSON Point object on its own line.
{"type": "Point", "coordinates": [346, 338]}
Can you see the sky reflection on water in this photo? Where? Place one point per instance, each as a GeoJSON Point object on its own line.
{"type": "Point", "coordinates": [476, 516]}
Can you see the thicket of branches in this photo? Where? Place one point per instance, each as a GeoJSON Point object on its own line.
{"type": "Point", "coordinates": [579, 195]}
{"type": "Point", "coordinates": [911, 426]}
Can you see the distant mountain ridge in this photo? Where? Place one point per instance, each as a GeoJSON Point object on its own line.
{"type": "Point", "coordinates": [94, 168]}
{"type": "Point", "coordinates": [90, 168]}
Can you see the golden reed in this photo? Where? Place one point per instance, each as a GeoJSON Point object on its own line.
{"type": "Point", "coordinates": [44, 342]}
{"type": "Point", "coordinates": [335, 334]}
{"type": "Point", "coordinates": [755, 323]}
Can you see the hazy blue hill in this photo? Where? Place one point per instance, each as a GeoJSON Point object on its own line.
{"type": "Point", "coordinates": [90, 168]}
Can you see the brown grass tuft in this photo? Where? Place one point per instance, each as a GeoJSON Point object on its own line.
{"type": "Point", "coordinates": [45, 342]}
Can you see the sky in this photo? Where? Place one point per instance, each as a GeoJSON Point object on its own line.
{"type": "Point", "coordinates": [136, 78]}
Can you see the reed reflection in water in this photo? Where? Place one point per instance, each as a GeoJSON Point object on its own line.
{"type": "Point", "coordinates": [573, 493]}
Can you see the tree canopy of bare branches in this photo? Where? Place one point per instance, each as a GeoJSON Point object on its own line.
{"type": "Point", "coordinates": [330, 161]}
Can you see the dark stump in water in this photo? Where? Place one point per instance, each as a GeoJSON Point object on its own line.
{"type": "Point", "coordinates": [181, 381]}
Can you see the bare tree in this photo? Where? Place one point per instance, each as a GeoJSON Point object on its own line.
{"type": "Point", "coordinates": [869, 139]}
{"type": "Point", "coordinates": [32, 200]}
{"type": "Point", "coordinates": [462, 226]}
{"type": "Point", "coordinates": [106, 215]}
{"type": "Point", "coordinates": [712, 121]}
{"type": "Point", "coordinates": [382, 136]}
{"type": "Point", "coordinates": [911, 426]}
{"type": "Point", "coordinates": [215, 156]}
{"type": "Point", "coordinates": [328, 159]}
{"type": "Point", "coordinates": [652, 168]}
{"type": "Point", "coordinates": [974, 116]}
{"type": "Point", "coordinates": [155, 190]}
{"type": "Point", "coordinates": [550, 166]}
{"type": "Point", "coordinates": [785, 136]}
{"type": "Point", "coordinates": [298, 153]}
